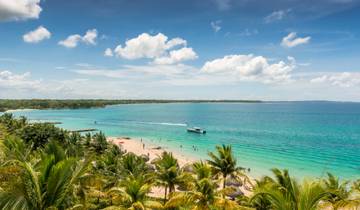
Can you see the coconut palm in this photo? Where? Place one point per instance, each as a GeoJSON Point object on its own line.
{"type": "Point", "coordinates": [47, 184]}
{"type": "Point", "coordinates": [341, 197]}
{"type": "Point", "coordinates": [337, 190]}
{"type": "Point", "coordinates": [224, 163]}
{"type": "Point", "coordinates": [132, 165]}
{"type": "Point", "coordinates": [133, 194]}
{"type": "Point", "coordinates": [203, 196]}
{"type": "Point", "coordinates": [168, 173]}
{"type": "Point", "coordinates": [99, 142]}
{"type": "Point", "coordinates": [202, 170]}
{"type": "Point", "coordinates": [285, 193]}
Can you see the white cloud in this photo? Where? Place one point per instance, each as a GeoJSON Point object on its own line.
{"type": "Point", "coordinates": [277, 16]}
{"type": "Point", "coordinates": [143, 46]}
{"type": "Point", "coordinates": [177, 56]}
{"type": "Point", "coordinates": [157, 47]}
{"type": "Point", "coordinates": [251, 68]}
{"type": "Point", "coordinates": [147, 46]}
{"type": "Point", "coordinates": [175, 42]}
{"type": "Point", "coordinates": [292, 41]}
{"type": "Point", "coordinates": [343, 79]}
{"type": "Point", "coordinates": [215, 25]}
{"type": "Point", "coordinates": [90, 37]}
{"type": "Point", "coordinates": [37, 35]}
{"type": "Point", "coordinates": [108, 52]}
{"type": "Point", "coordinates": [11, 80]}
{"type": "Point", "coordinates": [73, 40]}
{"type": "Point", "coordinates": [19, 9]}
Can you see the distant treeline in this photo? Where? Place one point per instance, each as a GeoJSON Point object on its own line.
{"type": "Point", "coordinates": [8, 104]}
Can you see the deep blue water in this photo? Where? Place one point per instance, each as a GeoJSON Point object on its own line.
{"type": "Point", "coordinates": [308, 138]}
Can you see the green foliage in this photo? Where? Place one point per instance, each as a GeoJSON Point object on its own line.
{"type": "Point", "coordinates": [285, 193]}
{"type": "Point", "coordinates": [48, 184]}
{"type": "Point", "coordinates": [39, 134]}
{"type": "Point", "coordinates": [99, 143]}
{"type": "Point", "coordinates": [10, 124]}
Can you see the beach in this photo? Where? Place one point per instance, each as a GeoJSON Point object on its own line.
{"type": "Point", "coordinates": [139, 147]}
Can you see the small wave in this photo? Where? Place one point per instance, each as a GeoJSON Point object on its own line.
{"type": "Point", "coordinates": [148, 123]}
{"type": "Point", "coordinates": [164, 123]}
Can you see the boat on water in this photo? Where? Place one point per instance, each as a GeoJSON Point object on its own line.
{"type": "Point", "coordinates": [196, 130]}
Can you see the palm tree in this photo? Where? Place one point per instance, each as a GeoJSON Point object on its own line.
{"type": "Point", "coordinates": [203, 196]}
{"type": "Point", "coordinates": [99, 142]}
{"type": "Point", "coordinates": [202, 170]}
{"type": "Point", "coordinates": [133, 194]}
{"type": "Point", "coordinates": [341, 197]}
{"type": "Point", "coordinates": [337, 190]}
{"type": "Point", "coordinates": [132, 165]}
{"type": "Point", "coordinates": [168, 172]}
{"type": "Point", "coordinates": [13, 147]}
{"type": "Point", "coordinates": [47, 184]}
{"type": "Point", "coordinates": [224, 163]}
{"type": "Point", "coordinates": [285, 193]}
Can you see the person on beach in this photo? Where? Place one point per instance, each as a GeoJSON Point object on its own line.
{"type": "Point", "coordinates": [143, 146]}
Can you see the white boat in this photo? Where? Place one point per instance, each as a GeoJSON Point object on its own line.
{"type": "Point", "coordinates": [196, 130]}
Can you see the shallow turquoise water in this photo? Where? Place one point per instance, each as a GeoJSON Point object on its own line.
{"type": "Point", "coordinates": [308, 138]}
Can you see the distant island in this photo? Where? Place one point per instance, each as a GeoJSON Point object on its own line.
{"type": "Point", "coordinates": [10, 104]}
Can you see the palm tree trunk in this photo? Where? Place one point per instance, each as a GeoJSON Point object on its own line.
{"type": "Point", "coordinates": [165, 194]}
{"type": "Point", "coordinates": [224, 182]}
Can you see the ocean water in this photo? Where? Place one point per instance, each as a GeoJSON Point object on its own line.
{"type": "Point", "coordinates": [308, 138]}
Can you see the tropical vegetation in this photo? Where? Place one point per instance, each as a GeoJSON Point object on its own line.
{"type": "Point", "coordinates": [9, 104]}
{"type": "Point", "coordinates": [45, 167]}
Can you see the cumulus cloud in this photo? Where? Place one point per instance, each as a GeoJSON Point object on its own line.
{"type": "Point", "coordinates": [37, 35]}
{"type": "Point", "coordinates": [19, 10]}
{"type": "Point", "coordinates": [90, 37]}
{"type": "Point", "coordinates": [177, 56]}
{"type": "Point", "coordinates": [10, 80]}
{"type": "Point", "coordinates": [73, 40]}
{"type": "Point", "coordinates": [216, 25]}
{"type": "Point", "coordinates": [276, 16]}
{"type": "Point", "coordinates": [251, 68]}
{"type": "Point", "coordinates": [343, 79]}
{"type": "Point", "coordinates": [108, 52]}
{"type": "Point", "coordinates": [291, 40]}
{"type": "Point", "coordinates": [157, 47]}
{"type": "Point", "coordinates": [147, 46]}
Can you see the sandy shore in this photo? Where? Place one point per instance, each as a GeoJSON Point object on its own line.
{"type": "Point", "coordinates": [18, 110]}
{"type": "Point", "coordinates": [139, 147]}
{"type": "Point", "coordinates": [144, 148]}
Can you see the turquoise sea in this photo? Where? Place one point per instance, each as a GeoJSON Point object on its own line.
{"type": "Point", "coordinates": [308, 138]}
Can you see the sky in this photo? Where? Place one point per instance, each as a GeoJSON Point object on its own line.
{"type": "Point", "coordinates": [189, 49]}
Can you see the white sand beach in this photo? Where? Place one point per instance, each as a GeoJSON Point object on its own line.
{"type": "Point", "coordinates": [144, 148]}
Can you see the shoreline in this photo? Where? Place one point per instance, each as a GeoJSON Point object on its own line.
{"type": "Point", "coordinates": [18, 110]}
{"type": "Point", "coordinates": [142, 147]}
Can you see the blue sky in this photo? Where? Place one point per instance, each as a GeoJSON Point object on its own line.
{"type": "Point", "coordinates": [199, 49]}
